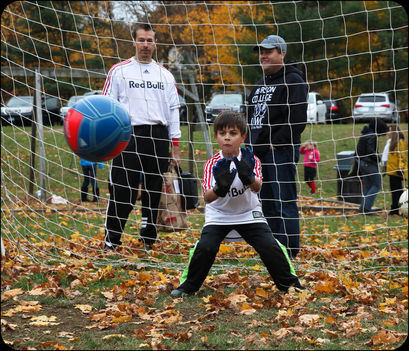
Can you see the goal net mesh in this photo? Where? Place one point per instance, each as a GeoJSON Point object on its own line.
{"type": "Point", "coordinates": [343, 48]}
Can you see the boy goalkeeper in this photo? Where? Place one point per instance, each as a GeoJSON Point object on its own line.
{"type": "Point", "coordinates": [231, 181]}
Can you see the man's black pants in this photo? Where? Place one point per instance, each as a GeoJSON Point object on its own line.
{"type": "Point", "coordinates": [147, 152]}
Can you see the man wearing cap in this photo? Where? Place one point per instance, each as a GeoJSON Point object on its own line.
{"type": "Point", "coordinates": [277, 115]}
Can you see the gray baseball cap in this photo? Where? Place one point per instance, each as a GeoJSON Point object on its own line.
{"type": "Point", "coordinates": [272, 41]}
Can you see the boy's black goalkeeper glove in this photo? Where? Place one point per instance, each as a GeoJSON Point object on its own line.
{"type": "Point", "coordinates": [223, 176]}
{"type": "Point", "coordinates": [245, 167]}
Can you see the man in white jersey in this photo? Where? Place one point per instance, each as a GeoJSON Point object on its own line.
{"type": "Point", "coordinates": [231, 182]}
{"type": "Point", "coordinates": [148, 91]}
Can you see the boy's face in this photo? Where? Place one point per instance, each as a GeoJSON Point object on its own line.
{"type": "Point", "coordinates": [229, 140]}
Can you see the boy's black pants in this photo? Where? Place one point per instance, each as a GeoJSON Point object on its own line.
{"type": "Point", "coordinates": [147, 152]}
{"type": "Point", "coordinates": [259, 236]}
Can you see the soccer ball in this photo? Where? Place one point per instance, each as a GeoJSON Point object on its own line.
{"type": "Point", "coordinates": [403, 204]}
{"type": "Point", "coordinates": [97, 128]}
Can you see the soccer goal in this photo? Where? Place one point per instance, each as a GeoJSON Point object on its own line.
{"type": "Point", "coordinates": [53, 52]}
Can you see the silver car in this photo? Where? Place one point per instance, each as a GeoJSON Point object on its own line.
{"type": "Point", "coordinates": [70, 103]}
{"type": "Point", "coordinates": [223, 102]}
{"type": "Point", "coordinates": [376, 105]}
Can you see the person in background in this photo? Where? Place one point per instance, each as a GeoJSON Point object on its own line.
{"type": "Point", "coordinates": [311, 158]}
{"type": "Point", "coordinates": [385, 152]}
{"type": "Point", "coordinates": [397, 165]}
{"type": "Point", "coordinates": [277, 115]}
{"type": "Point", "coordinates": [368, 162]}
{"type": "Point", "coordinates": [148, 92]}
{"type": "Point", "coordinates": [89, 169]}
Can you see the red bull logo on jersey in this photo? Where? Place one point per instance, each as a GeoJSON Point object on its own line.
{"type": "Point", "coordinates": [146, 84]}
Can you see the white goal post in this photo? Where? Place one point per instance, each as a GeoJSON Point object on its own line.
{"type": "Point", "coordinates": [53, 50]}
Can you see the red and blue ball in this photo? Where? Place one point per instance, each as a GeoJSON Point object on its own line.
{"type": "Point", "coordinates": [97, 128]}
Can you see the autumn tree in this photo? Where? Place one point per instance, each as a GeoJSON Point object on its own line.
{"type": "Point", "coordinates": [60, 34]}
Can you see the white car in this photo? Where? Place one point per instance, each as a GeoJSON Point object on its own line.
{"type": "Point", "coordinates": [18, 109]}
{"type": "Point", "coordinates": [317, 110]}
{"type": "Point", "coordinates": [376, 105]}
{"type": "Point", "coordinates": [70, 103]}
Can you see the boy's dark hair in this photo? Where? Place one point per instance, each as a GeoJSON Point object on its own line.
{"type": "Point", "coordinates": [144, 26]}
{"type": "Point", "coordinates": [230, 119]}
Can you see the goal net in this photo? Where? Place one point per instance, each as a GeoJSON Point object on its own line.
{"type": "Point", "coordinates": [52, 51]}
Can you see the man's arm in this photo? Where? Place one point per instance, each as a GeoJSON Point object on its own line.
{"type": "Point", "coordinates": [175, 154]}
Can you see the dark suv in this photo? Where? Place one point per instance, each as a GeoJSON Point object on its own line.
{"type": "Point", "coordinates": [19, 110]}
{"type": "Point", "coordinates": [224, 102]}
{"type": "Point", "coordinates": [336, 112]}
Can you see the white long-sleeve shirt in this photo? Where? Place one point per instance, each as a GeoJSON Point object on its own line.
{"type": "Point", "coordinates": [386, 152]}
{"type": "Point", "coordinates": [147, 91]}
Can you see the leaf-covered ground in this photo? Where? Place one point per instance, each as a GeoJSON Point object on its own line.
{"type": "Point", "coordinates": [358, 295]}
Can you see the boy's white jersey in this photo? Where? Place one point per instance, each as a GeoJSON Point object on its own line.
{"type": "Point", "coordinates": [241, 205]}
{"type": "Point", "coordinates": [147, 91]}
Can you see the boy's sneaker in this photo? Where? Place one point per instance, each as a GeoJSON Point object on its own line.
{"type": "Point", "coordinates": [179, 293]}
{"type": "Point", "coordinates": [301, 289]}
{"type": "Point", "coordinates": [297, 288]}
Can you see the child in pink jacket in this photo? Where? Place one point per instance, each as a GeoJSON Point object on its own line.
{"type": "Point", "coordinates": [311, 159]}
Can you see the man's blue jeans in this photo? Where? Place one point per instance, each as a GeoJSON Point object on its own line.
{"type": "Point", "coordinates": [279, 196]}
{"type": "Point", "coordinates": [372, 180]}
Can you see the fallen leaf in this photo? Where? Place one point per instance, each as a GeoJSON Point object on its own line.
{"type": "Point", "coordinates": [9, 294]}
{"type": "Point", "coordinates": [43, 321]}
{"type": "Point", "coordinates": [385, 337]}
{"type": "Point", "coordinates": [261, 292]}
{"type": "Point", "coordinates": [309, 319]}
{"type": "Point", "coordinates": [280, 333]}
{"type": "Point", "coordinates": [84, 308]}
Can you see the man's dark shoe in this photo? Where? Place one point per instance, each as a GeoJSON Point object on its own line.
{"type": "Point", "coordinates": [108, 247]}
{"type": "Point", "coordinates": [371, 212]}
{"type": "Point", "coordinates": [179, 293]}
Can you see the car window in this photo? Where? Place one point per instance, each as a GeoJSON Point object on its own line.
{"type": "Point", "coordinates": [372, 98]}
{"type": "Point", "coordinates": [73, 100]}
{"type": "Point", "coordinates": [51, 103]}
{"type": "Point", "coordinates": [226, 99]}
{"type": "Point", "coordinates": [20, 101]}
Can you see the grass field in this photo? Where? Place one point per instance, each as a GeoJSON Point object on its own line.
{"type": "Point", "coordinates": [60, 291]}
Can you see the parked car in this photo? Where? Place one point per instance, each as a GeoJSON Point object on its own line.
{"type": "Point", "coordinates": [223, 102]}
{"type": "Point", "coordinates": [376, 105]}
{"type": "Point", "coordinates": [316, 110]}
{"type": "Point", "coordinates": [19, 110]}
{"type": "Point", "coordinates": [336, 111]}
{"type": "Point", "coordinates": [93, 92]}
{"type": "Point", "coordinates": [70, 103]}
